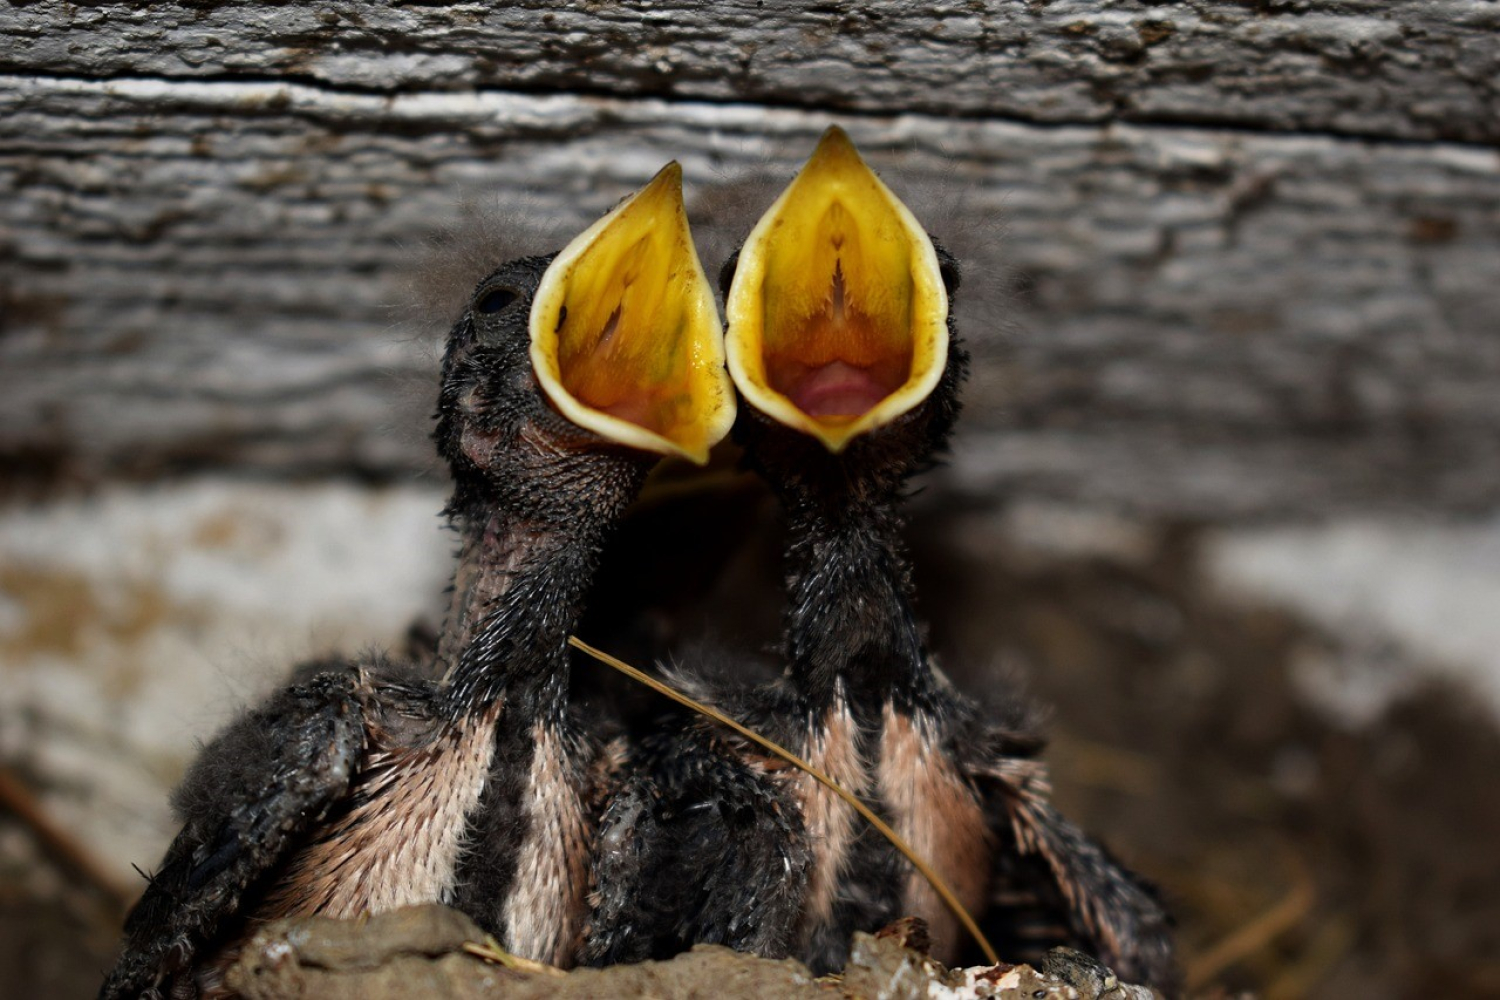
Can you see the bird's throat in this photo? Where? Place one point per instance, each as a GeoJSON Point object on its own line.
{"type": "Point", "coordinates": [850, 626]}
{"type": "Point", "coordinates": [518, 593]}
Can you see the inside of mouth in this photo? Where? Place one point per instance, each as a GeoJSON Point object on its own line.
{"type": "Point", "coordinates": [621, 330]}
{"type": "Point", "coordinates": [838, 336]}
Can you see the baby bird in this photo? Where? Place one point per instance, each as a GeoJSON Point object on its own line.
{"type": "Point", "coordinates": [362, 790]}
{"type": "Point", "coordinates": [842, 345]}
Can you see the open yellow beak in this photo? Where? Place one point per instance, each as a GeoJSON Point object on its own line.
{"type": "Point", "coordinates": [625, 339]}
{"type": "Point", "coordinates": [838, 317]}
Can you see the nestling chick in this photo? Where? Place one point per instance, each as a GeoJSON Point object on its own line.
{"type": "Point", "coordinates": [843, 347]}
{"type": "Point", "coordinates": [359, 791]}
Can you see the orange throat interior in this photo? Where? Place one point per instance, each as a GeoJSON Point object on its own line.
{"type": "Point", "coordinates": [840, 362]}
{"type": "Point", "coordinates": [837, 312]}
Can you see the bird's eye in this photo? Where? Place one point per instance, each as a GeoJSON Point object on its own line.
{"type": "Point", "coordinates": [495, 300]}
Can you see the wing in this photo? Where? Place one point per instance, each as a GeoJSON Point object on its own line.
{"type": "Point", "coordinates": [264, 781]}
{"type": "Point", "coordinates": [1051, 868]}
{"type": "Point", "coordinates": [742, 851]}
{"type": "Point", "coordinates": [698, 846]}
{"type": "Point", "coordinates": [629, 843]}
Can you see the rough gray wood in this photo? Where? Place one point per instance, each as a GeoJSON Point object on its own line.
{"type": "Point", "coordinates": [1182, 320]}
{"type": "Point", "coordinates": [1365, 67]}
{"type": "Point", "coordinates": [210, 207]}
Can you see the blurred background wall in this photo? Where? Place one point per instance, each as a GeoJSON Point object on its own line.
{"type": "Point", "coordinates": [1226, 495]}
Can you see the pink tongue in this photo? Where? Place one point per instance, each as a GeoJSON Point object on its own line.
{"type": "Point", "coordinates": [837, 390]}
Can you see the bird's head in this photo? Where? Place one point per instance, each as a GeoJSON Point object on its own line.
{"type": "Point", "coordinates": [840, 337]}
{"type": "Point", "coordinates": [568, 376]}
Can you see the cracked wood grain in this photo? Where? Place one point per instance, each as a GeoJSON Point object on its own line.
{"type": "Point", "coordinates": [1189, 321]}
{"type": "Point", "coordinates": [1359, 67]}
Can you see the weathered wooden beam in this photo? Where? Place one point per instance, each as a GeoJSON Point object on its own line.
{"type": "Point", "coordinates": [1360, 67]}
{"type": "Point", "coordinates": [1186, 321]}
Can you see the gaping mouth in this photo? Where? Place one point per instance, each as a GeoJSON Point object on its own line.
{"type": "Point", "coordinates": [625, 339]}
{"type": "Point", "coordinates": [837, 312]}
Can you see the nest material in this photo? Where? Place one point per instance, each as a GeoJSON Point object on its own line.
{"type": "Point", "coordinates": [434, 951]}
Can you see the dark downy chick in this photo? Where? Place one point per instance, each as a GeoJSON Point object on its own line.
{"type": "Point", "coordinates": [841, 343]}
{"type": "Point", "coordinates": [359, 791]}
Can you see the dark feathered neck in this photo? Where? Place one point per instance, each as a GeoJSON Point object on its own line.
{"type": "Point", "coordinates": [851, 631]}
{"type": "Point", "coordinates": [518, 593]}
